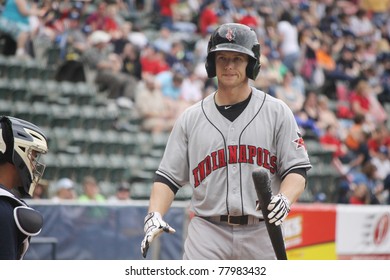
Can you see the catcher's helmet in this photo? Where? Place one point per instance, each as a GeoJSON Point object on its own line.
{"type": "Point", "coordinates": [237, 38]}
{"type": "Point", "coordinates": [22, 143]}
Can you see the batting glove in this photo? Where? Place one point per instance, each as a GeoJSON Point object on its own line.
{"type": "Point", "coordinates": [154, 225]}
{"type": "Point", "coordinates": [279, 208]}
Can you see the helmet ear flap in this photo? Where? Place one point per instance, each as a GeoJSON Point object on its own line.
{"type": "Point", "coordinates": [6, 140]}
{"type": "Point", "coordinates": [253, 69]}
{"type": "Point", "coordinates": [210, 65]}
{"type": "Point", "coordinates": [254, 65]}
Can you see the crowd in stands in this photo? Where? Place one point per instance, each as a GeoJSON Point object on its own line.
{"type": "Point", "coordinates": [328, 60]}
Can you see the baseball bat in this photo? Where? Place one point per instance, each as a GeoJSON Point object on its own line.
{"type": "Point", "coordinates": [264, 193]}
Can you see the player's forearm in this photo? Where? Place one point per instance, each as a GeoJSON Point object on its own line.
{"type": "Point", "coordinates": [293, 186]}
{"type": "Point", "coordinates": [161, 198]}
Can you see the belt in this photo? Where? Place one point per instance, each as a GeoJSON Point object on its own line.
{"type": "Point", "coordinates": [236, 220]}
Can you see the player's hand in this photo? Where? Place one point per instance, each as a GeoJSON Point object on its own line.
{"type": "Point", "coordinates": [279, 208]}
{"type": "Point", "coordinates": [154, 225]}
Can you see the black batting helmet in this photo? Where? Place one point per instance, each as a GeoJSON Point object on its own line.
{"type": "Point", "coordinates": [237, 38]}
{"type": "Point", "coordinates": [21, 143]}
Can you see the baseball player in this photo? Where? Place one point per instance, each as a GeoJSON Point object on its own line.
{"type": "Point", "coordinates": [21, 144]}
{"type": "Point", "coordinates": [216, 144]}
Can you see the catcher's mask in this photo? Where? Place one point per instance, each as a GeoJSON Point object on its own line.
{"type": "Point", "coordinates": [22, 143]}
{"type": "Point", "coordinates": [237, 38]}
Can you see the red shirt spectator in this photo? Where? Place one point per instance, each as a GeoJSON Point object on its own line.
{"type": "Point", "coordinates": [153, 62]}
{"type": "Point", "coordinates": [208, 17]}
{"type": "Point", "coordinates": [102, 20]}
{"type": "Point", "coordinates": [166, 7]}
{"type": "Point", "coordinates": [330, 141]}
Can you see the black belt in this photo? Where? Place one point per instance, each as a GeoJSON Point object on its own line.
{"type": "Point", "coordinates": [236, 220]}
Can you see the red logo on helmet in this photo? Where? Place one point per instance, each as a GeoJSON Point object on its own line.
{"type": "Point", "coordinates": [230, 34]}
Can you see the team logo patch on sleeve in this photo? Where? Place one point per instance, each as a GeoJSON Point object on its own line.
{"type": "Point", "coordinates": [299, 142]}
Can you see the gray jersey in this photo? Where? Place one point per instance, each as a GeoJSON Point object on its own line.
{"type": "Point", "coordinates": [217, 156]}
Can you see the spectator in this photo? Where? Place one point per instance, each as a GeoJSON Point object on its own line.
{"type": "Point", "coordinates": [363, 102]}
{"type": "Point", "coordinates": [64, 190]}
{"type": "Point", "coordinates": [41, 190]}
{"type": "Point", "coordinates": [307, 117]}
{"type": "Point", "coordinates": [91, 190]}
{"type": "Point", "coordinates": [208, 17]}
{"type": "Point", "coordinates": [379, 138]}
{"type": "Point", "coordinates": [360, 194]}
{"type": "Point", "coordinates": [164, 39]}
{"type": "Point", "coordinates": [291, 95]}
{"type": "Point", "coordinates": [166, 11]}
{"type": "Point", "coordinates": [122, 192]}
{"type": "Point", "coordinates": [362, 26]}
{"type": "Point", "coordinates": [288, 38]}
{"type": "Point", "coordinates": [72, 43]}
{"type": "Point", "coordinates": [103, 19]}
{"type": "Point", "coordinates": [153, 61]}
{"type": "Point", "coordinates": [327, 116]}
{"type": "Point", "coordinates": [273, 73]}
{"type": "Point", "coordinates": [382, 163]}
{"type": "Point", "coordinates": [368, 176]}
{"type": "Point", "coordinates": [309, 43]}
{"type": "Point", "coordinates": [14, 21]}
{"type": "Point", "coordinates": [170, 83]}
{"type": "Point", "coordinates": [156, 111]}
{"type": "Point", "coordinates": [377, 8]}
{"type": "Point", "coordinates": [131, 61]}
{"type": "Point", "coordinates": [108, 67]}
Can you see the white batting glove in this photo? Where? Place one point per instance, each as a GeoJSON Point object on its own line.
{"type": "Point", "coordinates": [279, 208]}
{"type": "Point", "coordinates": [154, 225]}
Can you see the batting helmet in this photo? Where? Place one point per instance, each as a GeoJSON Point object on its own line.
{"type": "Point", "coordinates": [22, 143]}
{"type": "Point", "coordinates": [237, 38]}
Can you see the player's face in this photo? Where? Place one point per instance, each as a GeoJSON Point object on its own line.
{"type": "Point", "coordinates": [231, 67]}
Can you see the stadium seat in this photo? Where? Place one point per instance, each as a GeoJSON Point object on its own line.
{"type": "Point", "coordinates": [41, 114]}
{"type": "Point", "coordinates": [6, 107]}
{"type": "Point", "coordinates": [22, 110]}
{"type": "Point", "coordinates": [140, 190]}
{"type": "Point", "coordinates": [19, 90]}
{"type": "Point", "coordinates": [15, 68]}
{"type": "Point", "coordinates": [118, 168]}
{"type": "Point", "coordinates": [52, 166]}
{"type": "Point", "coordinates": [128, 143]}
{"type": "Point", "coordinates": [37, 92]}
{"type": "Point", "coordinates": [83, 166]}
{"type": "Point", "coordinates": [32, 69]}
{"type": "Point", "coordinates": [66, 165]}
{"type": "Point", "coordinates": [100, 167]}
{"type": "Point", "coordinates": [86, 93]}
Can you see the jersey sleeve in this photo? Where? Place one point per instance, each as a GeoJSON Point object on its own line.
{"type": "Point", "coordinates": [290, 144]}
{"type": "Point", "coordinates": [174, 165]}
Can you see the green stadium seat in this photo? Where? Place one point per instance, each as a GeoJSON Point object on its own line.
{"type": "Point", "coordinates": [86, 93]}
{"type": "Point", "coordinates": [32, 69]}
{"type": "Point", "coordinates": [5, 89]}
{"type": "Point", "coordinates": [83, 166]}
{"type": "Point", "coordinates": [140, 190]}
{"type": "Point", "coordinates": [37, 91]}
{"type": "Point", "coordinates": [100, 167]}
{"type": "Point", "coordinates": [41, 114]}
{"type": "Point", "coordinates": [118, 168]}
{"type": "Point", "coordinates": [66, 165]}
{"type": "Point", "coordinates": [52, 166]}
{"type": "Point", "coordinates": [22, 110]}
{"type": "Point", "coordinates": [6, 107]}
